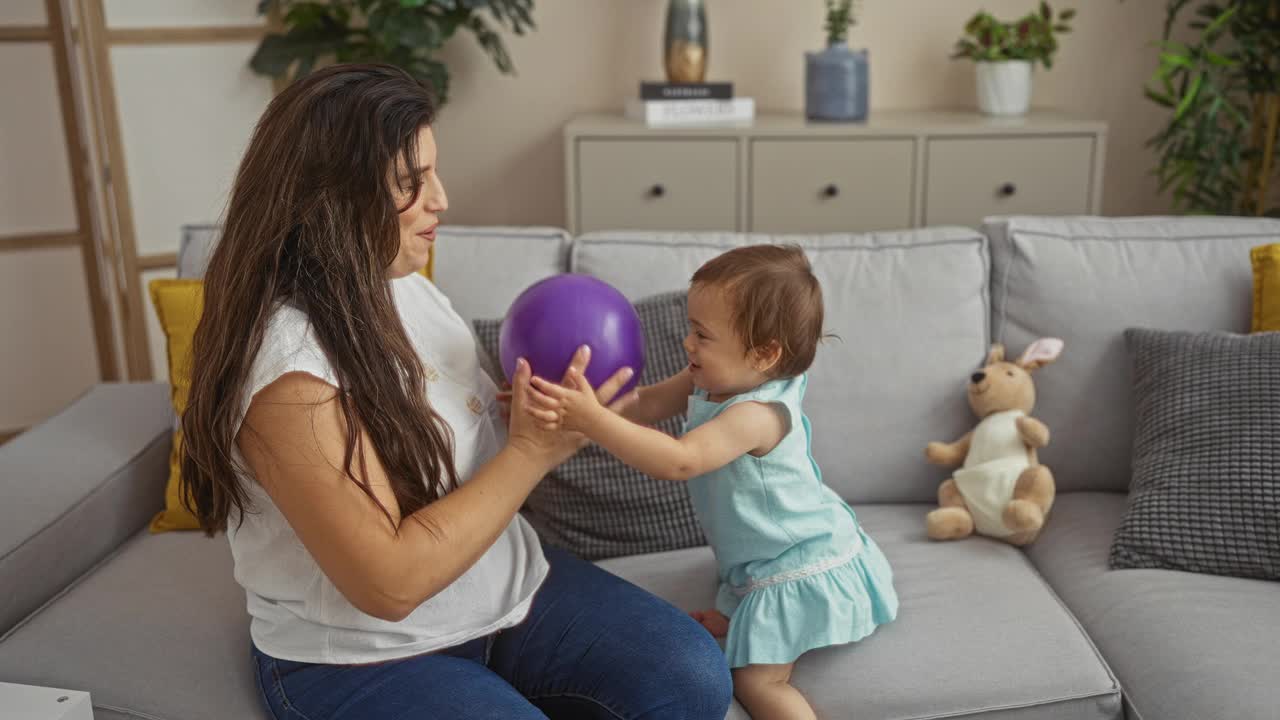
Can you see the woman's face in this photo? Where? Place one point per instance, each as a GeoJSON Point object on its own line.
{"type": "Point", "coordinates": [419, 215]}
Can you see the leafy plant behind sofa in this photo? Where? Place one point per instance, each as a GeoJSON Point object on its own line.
{"type": "Point", "coordinates": [405, 33]}
{"type": "Point", "coordinates": [1218, 151]}
{"type": "Point", "coordinates": [1033, 37]}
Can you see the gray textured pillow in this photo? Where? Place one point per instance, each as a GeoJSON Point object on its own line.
{"type": "Point", "coordinates": [593, 505]}
{"type": "Point", "coordinates": [1205, 493]}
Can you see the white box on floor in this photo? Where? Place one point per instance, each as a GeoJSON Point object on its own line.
{"type": "Point", "coordinates": [28, 702]}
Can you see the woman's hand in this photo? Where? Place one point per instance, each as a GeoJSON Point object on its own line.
{"type": "Point", "coordinates": [546, 446]}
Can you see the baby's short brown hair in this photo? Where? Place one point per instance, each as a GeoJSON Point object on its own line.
{"type": "Point", "coordinates": [774, 296]}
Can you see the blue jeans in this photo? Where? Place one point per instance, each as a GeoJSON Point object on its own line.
{"type": "Point", "coordinates": [593, 646]}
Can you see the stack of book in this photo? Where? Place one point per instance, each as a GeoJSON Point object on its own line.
{"type": "Point", "coordinates": [664, 104]}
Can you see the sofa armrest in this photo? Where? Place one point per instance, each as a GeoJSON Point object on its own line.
{"type": "Point", "coordinates": [76, 486]}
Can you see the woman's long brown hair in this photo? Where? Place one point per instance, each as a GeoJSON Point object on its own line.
{"type": "Point", "coordinates": [312, 222]}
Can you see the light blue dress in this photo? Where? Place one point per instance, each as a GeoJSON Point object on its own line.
{"type": "Point", "coordinates": [796, 570]}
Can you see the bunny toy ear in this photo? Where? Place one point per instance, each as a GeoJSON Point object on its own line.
{"type": "Point", "coordinates": [1041, 353]}
{"type": "Point", "coordinates": [996, 355]}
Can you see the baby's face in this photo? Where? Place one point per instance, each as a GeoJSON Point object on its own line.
{"type": "Point", "coordinates": [718, 359]}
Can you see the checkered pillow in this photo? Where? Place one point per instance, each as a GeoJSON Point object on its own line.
{"type": "Point", "coordinates": [593, 505]}
{"type": "Point", "coordinates": [1205, 493]}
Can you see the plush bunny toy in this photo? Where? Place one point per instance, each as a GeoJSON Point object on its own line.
{"type": "Point", "coordinates": [1002, 490]}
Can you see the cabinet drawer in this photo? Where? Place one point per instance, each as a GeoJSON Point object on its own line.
{"type": "Point", "coordinates": [971, 178]}
{"type": "Point", "coordinates": [668, 184]}
{"type": "Point", "coordinates": [809, 186]}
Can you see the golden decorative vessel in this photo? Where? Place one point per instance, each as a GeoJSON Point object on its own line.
{"type": "Point", "coordinates": [684, 46]}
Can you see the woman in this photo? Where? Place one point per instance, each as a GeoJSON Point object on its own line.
{"type": "Point", "coordinates": [341, 432]}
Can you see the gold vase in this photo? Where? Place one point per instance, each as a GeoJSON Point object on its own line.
{"type": "Point", "coordinates": [684, 46]}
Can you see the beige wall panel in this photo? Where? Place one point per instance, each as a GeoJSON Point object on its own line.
{"type": "Point", "coordinates": [35, 183]}
{"type": "Point", "coordinates": [47, 356]}
{"type": "Point", "coordinates": [180, 13]}
{"type": "Point", "coordinates": [186, 113]}
{"type": "Point", "coordinates": [22, 12]}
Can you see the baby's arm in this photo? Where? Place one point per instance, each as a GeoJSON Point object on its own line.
{"type": "Point", "coordinates": [744, 428]}
{"type": "Point", "coordinates": [661, 401]}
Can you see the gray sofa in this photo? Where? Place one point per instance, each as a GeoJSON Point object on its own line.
{"type": "Point", "coordinates": [154, 626]}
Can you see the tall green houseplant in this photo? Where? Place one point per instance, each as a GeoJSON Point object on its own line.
{"type": "Point", "coordinates": [405, 33]}
{"type": "Point", "coordinates": [1217, 153]}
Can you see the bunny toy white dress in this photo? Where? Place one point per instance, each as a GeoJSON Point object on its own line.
{"type": "Point", "coordinates": [997, 457]}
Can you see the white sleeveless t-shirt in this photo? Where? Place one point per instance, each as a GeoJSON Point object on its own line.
{"type": "Point", "coordinates": [296, 612]}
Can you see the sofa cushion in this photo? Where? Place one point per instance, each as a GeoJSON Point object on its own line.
{"type": "Point", "coordinates": [480, 268]}
{"type": "Point", "coordinates": [1206, 462]}
{"type": "Point", "coordinates": [177, 649]}
{"type": "Point", "coordinates": [1185, 646]}
{"type": "Point", "coordinates": [196, 246]}
{"type": "Point", "coordinates": [910, 312]}
{"type": "Point", "coordinates": [978, 634]}
{"type": "Point", "coordinates": [595, 506]}
{"type": "Point", "coordinates": [1086, 280]}
{"type": "Point", "coordinates": [483, 269]}
{"type": "Point", "coordinates": [958, 649]}
{"type": "Point", "coordinates": [75, 486]}
{"type": "Point", "coordinates": [1266, 287]}
{"type": "Point", "coordinates": [178, 303]}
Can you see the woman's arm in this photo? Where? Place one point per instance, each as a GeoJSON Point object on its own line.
{"type": "Point", "coordinates": [661, 401]}
{"type": "Point", "coordinates": [293, 440]}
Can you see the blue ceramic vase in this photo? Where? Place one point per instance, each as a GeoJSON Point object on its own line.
{"type": "Point", "coordinates": [835, 84]}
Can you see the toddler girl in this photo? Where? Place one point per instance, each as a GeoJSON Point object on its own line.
{"type": "Point", "coordinates": [796, 571]}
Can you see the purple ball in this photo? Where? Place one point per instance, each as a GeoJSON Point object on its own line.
{"type": "Point", "coordinates": [553, 317]}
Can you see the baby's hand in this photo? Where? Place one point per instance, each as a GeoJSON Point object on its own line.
{"type": "Point", "coordinates": [571, 405]}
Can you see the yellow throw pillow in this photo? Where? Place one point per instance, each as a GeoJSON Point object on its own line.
{"type": "Point", "coordinates": [1266, 288]}
{"type": "Point", "coordinates": [429, 271]}
{"type": "Point", "coordinates": [178, 305]}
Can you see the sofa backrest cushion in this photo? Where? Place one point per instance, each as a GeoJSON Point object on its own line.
{"type": "Point", "coordinates": [1086, 280]}
{"type": "Point", "coordinates": [481, 269]}
{"type": "Point", "coordinates": [910, 309]}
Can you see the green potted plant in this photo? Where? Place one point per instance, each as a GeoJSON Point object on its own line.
{"type": "Point", "coordinates": [836, 79]}
{"type": "Point", "coordinates": [1005, 53]}
{"type": "Point", "coordinates": [1217, 151]}
{"type": "Point", "coordinates": [405, 33]}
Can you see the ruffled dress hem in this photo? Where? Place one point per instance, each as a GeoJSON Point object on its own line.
{"type": "Point", "coordinates": [777, 624]}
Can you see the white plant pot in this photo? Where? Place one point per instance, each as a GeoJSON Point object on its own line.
{"type": "Point", "coordinates": [1004, 87]}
